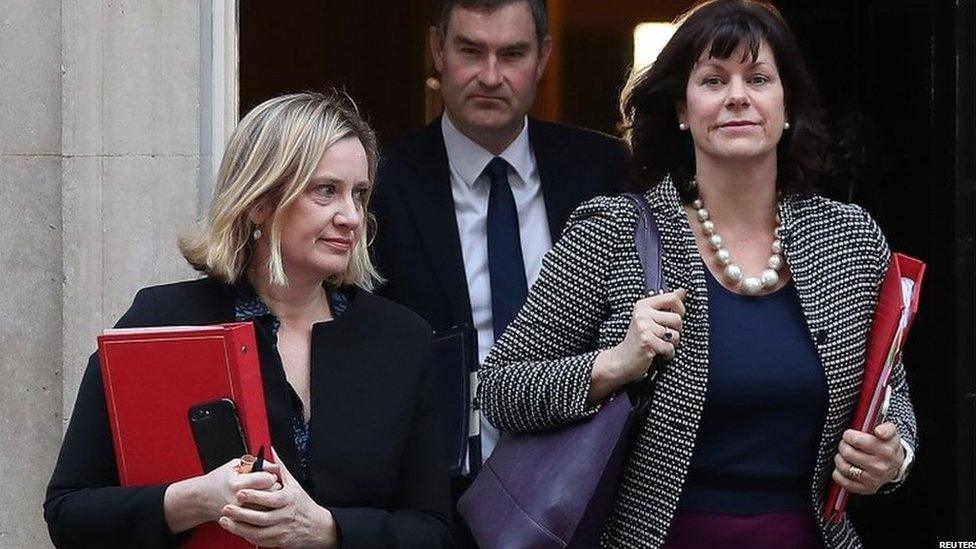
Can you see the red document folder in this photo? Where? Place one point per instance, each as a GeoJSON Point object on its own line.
{"type": "Point", "coordinates": [153, 376]}
{"type": "Point", "coordinates": [897, 305]}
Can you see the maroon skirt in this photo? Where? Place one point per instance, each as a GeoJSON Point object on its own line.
{"type": "Point", "coordinates": [694, 530]}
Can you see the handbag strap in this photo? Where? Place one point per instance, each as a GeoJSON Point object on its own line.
{"type": "Point", "coordinates": [647, 238]}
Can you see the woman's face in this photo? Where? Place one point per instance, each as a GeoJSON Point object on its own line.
{"type": "Point", "coordinates": [321, 228]}
{"type": "Point", "coordinates": [734, 107]}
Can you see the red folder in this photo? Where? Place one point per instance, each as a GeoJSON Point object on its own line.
{"type": "Point", "coordinates": [153, 376]}
{"type": "Point", "coordinates": [897, 305]}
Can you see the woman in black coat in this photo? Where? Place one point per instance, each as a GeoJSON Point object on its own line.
{"type": "Point", "coordinates": [347, 375]}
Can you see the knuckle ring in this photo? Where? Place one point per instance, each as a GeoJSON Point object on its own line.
{"type": "Point", "coordinates": [246, 465]}
{"type": "Point", "coordinates": [854, 473]}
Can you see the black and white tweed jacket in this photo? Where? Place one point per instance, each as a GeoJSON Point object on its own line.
{"type": "Point", "coordinates": [537, 375]}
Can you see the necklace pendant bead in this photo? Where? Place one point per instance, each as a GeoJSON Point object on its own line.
{"type": "Point", "coordinates": [775, 262]}
{"type": "Point", "coordinates": [723, 256]}
{"type": "Point", "coordinates": [716, 241]}
{"type": "Point", "coordinates": [697, 204]}
{"type": "Point", "coordinates": [733, 273]}
{"type": "Point", "coordinates": [769, 278]}
{"type": "Point", "coordinates": [752, 286]}
{"type": "Point", "coordinates": [777, 246]}
{"type": "Point", "coordinates": [708, 227]}
{"type": "Point", "coordinates": [702, 214]}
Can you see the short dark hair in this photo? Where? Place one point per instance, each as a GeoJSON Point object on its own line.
{"type": "Point", "coordinates": [540, 15]}
{"type": "Point", "coordinates": [648, 101]}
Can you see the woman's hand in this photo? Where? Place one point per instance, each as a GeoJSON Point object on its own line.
{"type": "Point", "coordinates": [194, 501]}
{"type": "Point", "coordinates": [282, 518]}
{"type": "Point", "coordinates": [876, 459]}
{"type": "Point", "coordinates": [654, 333]}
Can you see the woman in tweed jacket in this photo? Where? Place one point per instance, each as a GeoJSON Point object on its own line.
{"type": "Point", "coordinates": [763, 347]}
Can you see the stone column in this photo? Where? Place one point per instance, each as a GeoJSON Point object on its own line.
{"type": "Point", "coordinates": [100, 170]}
{"type": "Point", "coordinates": [30, 262]}
{"type": "Point", "coordinates": [130, 139]}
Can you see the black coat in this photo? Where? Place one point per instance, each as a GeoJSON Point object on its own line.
{"type": "Point", "coordinates": [373, 445]}
{"type": "Point", "coordinates": [417, 247]}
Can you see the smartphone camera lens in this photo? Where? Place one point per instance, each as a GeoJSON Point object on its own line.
{"type": "Point", "coordinates": [199, 414]}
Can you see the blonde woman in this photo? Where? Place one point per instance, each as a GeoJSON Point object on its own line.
{"type": "Point", "coordinates": [285, 246]}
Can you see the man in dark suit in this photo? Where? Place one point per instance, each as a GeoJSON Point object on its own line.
{"type": "Point", "coordinates": [467, 206]}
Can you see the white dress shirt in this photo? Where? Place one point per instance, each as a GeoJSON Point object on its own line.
{"type": "Point", "coordinates": [470, 189]}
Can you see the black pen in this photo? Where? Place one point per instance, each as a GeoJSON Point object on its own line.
{"type": "Point", "coordinates": [259, 462]}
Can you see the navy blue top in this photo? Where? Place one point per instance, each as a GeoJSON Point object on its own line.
{"type": "Point", "coordinates": [764, 407]}
{"type": "Point", "coordinates": [249, 306]}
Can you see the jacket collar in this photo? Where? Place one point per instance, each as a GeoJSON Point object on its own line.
{"type": "Point", "coordinates": [430, 203]}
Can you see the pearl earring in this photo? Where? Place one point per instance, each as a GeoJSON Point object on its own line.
{"type": "Point", "coordinates": [682, 126]}
{"type": "Point", "coordinates": [257, 234]}
{"type": "Point", "coordinates": [786, 125]}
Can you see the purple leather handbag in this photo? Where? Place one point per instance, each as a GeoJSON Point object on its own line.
{"type": "Point", "coordinates": [554, 488]}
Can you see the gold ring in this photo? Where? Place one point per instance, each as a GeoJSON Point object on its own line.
{"type": "Point", "coordinates": [246, 465]}
{"type": "Point", "coordinates": [855, 472]}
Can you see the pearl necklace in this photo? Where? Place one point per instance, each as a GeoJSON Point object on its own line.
{"type": "Point", "coordinates": [751, 285]}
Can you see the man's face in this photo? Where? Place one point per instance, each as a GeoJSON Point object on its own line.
{"type": "Point", "coordinates": [490, 64]}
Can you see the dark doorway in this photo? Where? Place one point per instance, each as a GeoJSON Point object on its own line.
{"type": "Point", "coordinates": [374, 50]}
{"type": "Point", "coordinates": [893, 75]}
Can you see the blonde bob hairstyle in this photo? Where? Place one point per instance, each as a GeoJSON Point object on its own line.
{"type": "Point", "coordinates": [269, 161]}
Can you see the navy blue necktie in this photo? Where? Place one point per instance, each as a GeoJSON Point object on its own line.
{"type": "Point", "coordinates": [506, 268]}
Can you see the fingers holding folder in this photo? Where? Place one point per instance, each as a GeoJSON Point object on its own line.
{"type": "Point", "coordinates": [223, 485]}
{"type": "Point", "coordinates": [867, 461]}
{"type": "Point", "coordinates": [198, 500]}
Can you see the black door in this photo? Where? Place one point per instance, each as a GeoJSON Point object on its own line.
{"type": "Point", "coordinates": [896, 78]}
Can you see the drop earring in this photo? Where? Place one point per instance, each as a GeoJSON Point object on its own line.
{"type": "Point", "coordinates": [682, 126]}
{"type": "Point", "coordinates": [786, 125]}
{"type": "Point", "coordinates": [256, 234]}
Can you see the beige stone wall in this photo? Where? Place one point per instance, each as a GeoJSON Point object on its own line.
{"type": "Point", "coordinates": [30, 262]}
{"type": "Point", "coordinates": [101, 106]}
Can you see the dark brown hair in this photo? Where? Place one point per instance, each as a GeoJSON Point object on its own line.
{"type": "Point", "coordinates": [540, 15]}
{"type": "Point", "coordinates": [648, 101]}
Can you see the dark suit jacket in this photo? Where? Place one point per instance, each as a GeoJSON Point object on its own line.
{"type": "Point", "coordinates": [417, 247]}
{"type": "Point", "coordinates": [372, 451]}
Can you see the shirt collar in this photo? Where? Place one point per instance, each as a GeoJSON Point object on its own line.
{"type": "Point", "coordinates": [248, 304]}
{"type": "Point", "coordinates": [469, 159]}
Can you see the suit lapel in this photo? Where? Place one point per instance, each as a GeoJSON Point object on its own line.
{"type": "Point", "coordinates": [800, 248]}
{"type": "Point", "coordinates": [277, 398]}
{"type": "Point", "coordinates": [432, 206]}
{"type": "Point", "coordinates": [555, 175]}
{"type": "Point", "coordinates": [799, 255]}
